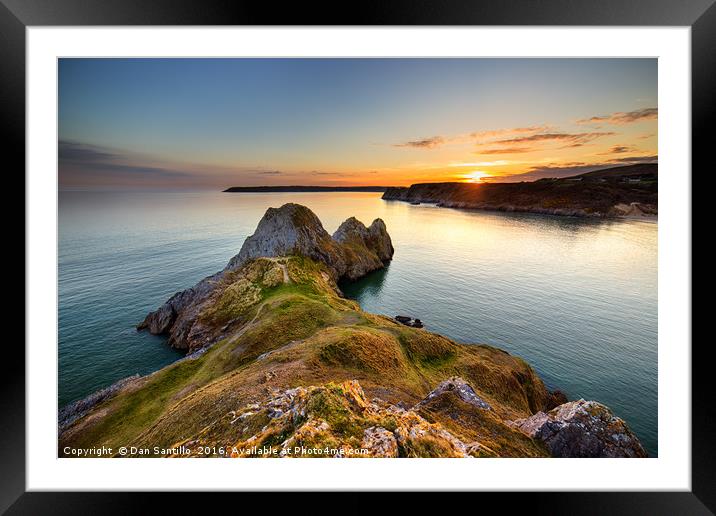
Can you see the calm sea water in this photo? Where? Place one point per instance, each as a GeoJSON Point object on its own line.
{"type": "Point", "coordinates": [576, 298]}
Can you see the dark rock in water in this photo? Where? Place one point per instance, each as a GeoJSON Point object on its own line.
{"type": "Point", "coordinates": [582, 429]}
{"type": "Point", "coordinates": [409, 321]}
{"type": "Point", "coordinates": [415, 203]}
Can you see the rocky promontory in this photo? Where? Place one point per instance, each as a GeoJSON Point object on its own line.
{"type": "Point", "coordinates": [282, 365]}
{"type": "Point", "coordinates": [353, 251]}
{"type": "Point", "coordinates": [618, 192]}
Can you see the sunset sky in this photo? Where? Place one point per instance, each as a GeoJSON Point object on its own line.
{"type": "Point", "coordinates": [214, 123]}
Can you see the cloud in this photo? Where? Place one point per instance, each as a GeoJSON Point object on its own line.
{"type": "Point", "coordinates": [480, 135]}
{"type": "Point", "coordinates": [559, 170]}
{"type": "Point", "coordinates": [477, 137]}
{"type": "Point", "coordinates": [534, 142]}
{"type": "Point", "coordinates": [621, 117]}
{"type": "Point", "coordinates": [427, 143]}
{"type": "Point", "coordinates": [75, 158]}
{"type": "Point", "coordinates": [506, 150]}
{"type": "Point", "coordinates": [471, 164]}
{"type": "Point", "coordinates": [636, 159]}
{"type": "Point", "coordinates": [87, 165]}
{"type": "Point", "coordinates": [323, 173]}
{"type": "Point", "coordinates": [618, 149]}
{"type": "Point", "coordinates": [571, 138]}
{"type": "Point", "coordinates": [136, 170]}
{"type": "Point", "coordinates": [75, 151]}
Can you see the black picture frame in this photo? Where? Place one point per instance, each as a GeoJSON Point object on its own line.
{"type": "Point", "coordinates": [17, 15]}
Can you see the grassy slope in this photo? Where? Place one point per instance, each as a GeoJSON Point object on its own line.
{"type": "Point", "coordinates": [303, 333]}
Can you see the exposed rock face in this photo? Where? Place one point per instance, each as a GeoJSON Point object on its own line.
{"type": "Point", "coordinates": [196, 317]}
{"type": "Point", "coordinates": [633, 209]}
{"type": "Point", "coordinates": [461, 389]}
{"type": "Point", "coordinates": [380, 442]}
{"type": "Point", "coordinates": [582, 429]}
{"type": "Point", "coordinates": [353, 251]}
{"type": "Point", "coordinates": [365, 248]}
{"type": "Point", "coordinates": [312, 421]}
{"type": "Point", "coordinates": [292, 229]}
{"type": "Point", "coordinates": [375, 237]}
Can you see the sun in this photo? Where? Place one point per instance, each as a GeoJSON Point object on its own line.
{"type": "Point", "coordinates": [476, 176]}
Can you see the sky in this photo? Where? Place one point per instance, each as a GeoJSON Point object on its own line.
{"type": "Point", "coordinates": [215, 123]}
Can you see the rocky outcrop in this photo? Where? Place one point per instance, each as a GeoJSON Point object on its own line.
{"type": "Point", "coordinates": [291, 230]}
{"type": "Point", "coordinates": [409, 321]}
{"type": "Point", "coordinates": [312, 421]}
{"type": "Point", "coordinates": [590, 197]}
{"type": "Point", "coordinates": [634, 210]}
{"type": "Point", "coordinates": [461, 389]}
{"type": "Point", "coordinates": [365, 248]}
{"type": "Point", "coordinates": [379, 442]}
{"type": "Point", "coordinates": [200, 315]}
{"type": "Point", "coordinates": [352, 251]}
{"type": "Point", "coordinates": [582, 429]}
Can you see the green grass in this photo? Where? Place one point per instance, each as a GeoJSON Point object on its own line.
{"type": "Point", "coordinates": [330, 405]}
{"type": "Point", "coordinates": [130, 414]}
{"type": "Point", "coordinates": [315, 337]}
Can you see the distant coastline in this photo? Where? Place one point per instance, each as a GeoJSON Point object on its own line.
{"type": "Point", "coordinates": [625, 192]}
{"type": "Point", "coordinates": [296, 188]}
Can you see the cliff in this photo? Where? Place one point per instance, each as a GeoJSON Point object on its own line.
{"type": "Point", "coordinates": [217, 305]}
{"type": "Point", "coordinates": [283, 365]}
{"type": "Point", "coordinates": [616, 192]}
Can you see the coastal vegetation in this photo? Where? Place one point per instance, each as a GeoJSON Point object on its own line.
{"type": "Point", "coordinates": [279, 361]}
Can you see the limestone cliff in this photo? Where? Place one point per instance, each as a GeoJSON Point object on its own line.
{"type": "Point", "coordinates": [612, 193]}
{"type": "Point", "coordinates": [291, 230]}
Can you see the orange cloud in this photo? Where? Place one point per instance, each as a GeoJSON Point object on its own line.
{"type": "Point", "coordinates": [621, 117]}
{"type": "Point", "coordinates": [427, 143]}
{"type": "Point", "coordinates": [480, 135]}
{"type": "Point", "coordinates": [524, 144]}
{"type": "Point", "coordinates": [619, 149]}
{"type": "Point", "coordinates": [506, 150]}
{"type": "Point", "coordinates": [574, 138]}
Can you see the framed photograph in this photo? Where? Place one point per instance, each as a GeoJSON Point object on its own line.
{"type": "Point", "coordinates": [450, 246]}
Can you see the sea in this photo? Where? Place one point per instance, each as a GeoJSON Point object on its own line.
{"type": "Point", "coordinates": [575, 297]}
